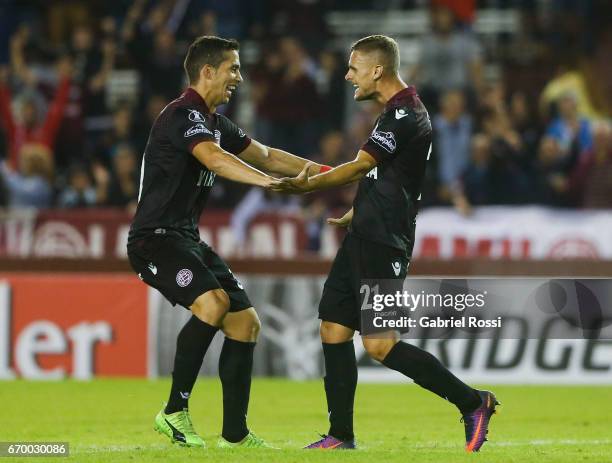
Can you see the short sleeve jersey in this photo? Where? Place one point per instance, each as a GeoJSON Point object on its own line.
{"type": "Point", "coordinates": [174, 185]}
{"type": "Point", "coordinates": [386, 203]}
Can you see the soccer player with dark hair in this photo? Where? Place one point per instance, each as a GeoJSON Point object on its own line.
{"type": "Point", "coordinates": [390, 168]}
{"type": "Point", "coordinates": [189, 144]}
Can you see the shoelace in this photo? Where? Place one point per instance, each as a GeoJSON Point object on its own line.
{"type": "Point", "coordinates": [185, 421]}
{"type": "Point", "coordinates": [255, 441]}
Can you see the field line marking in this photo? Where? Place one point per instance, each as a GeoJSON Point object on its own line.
{"type": "Point", "coordinates": [538, 442]}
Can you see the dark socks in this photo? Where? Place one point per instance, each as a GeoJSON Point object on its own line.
{"type": "Point", "coordinates": [191, 345]}
{"type": "Point", "coordinates": [429, 373]}
{"type": "Point", "coordinates": [235, 368]}
{"type": "Point", "coordinates": [340, 384]}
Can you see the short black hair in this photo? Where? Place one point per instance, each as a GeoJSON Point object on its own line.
{"type": "Point", "coordinates": [206, 49]}
{"type": "Point", "coordinates": [385, 46]}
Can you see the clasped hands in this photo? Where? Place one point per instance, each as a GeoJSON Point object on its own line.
{"type": "Point", "coordinates": [298, 185]}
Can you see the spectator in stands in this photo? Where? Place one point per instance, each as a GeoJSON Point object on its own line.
{"type": "Point", "coordinates": [122, 131]}
{"type": "Point", "coordinates": [452, 132]}
{"type": "Point", "coordinates": [591, 180]}
{"type": "Point", "coordinates": [507, 167]}
{"type": "Point", "coordinates": [332, 149]}
{"type": "Point", "coordinates": [134, 17]}
{"type": "Point", "coordinates": [570, 81]}
{"type": "Point", "coordinates": [142, 125]}
{"type": "Point", "coordinates": [123, 186]}
{"type": "Point", "coordinates": [449, 59]}
{"type": "Point", "coordinates": [524, 122]}
{"type": "Point", "coordinates": [287, 102]}
{"type": "Point", "coordinates": [476, 178]}
{"type": "Point", "coordinates": [317, 207]}
{"type": "Point", "coordinates": [331, 87]}
{"type": "Point", "coordinates": [206, 24]}
{"type": "Point", "coordinates": [164, 69]}
{"type": "Point", "coordinates": [33, 123]}
{"type": "Point", "coordinates": [304, 19]}
{"type": "Point", "coordinates": [551, 180]}
{"type": "Point", "coordinates": [80, 191]}
{"type": "Point", "coordinates": [160, 62]}
{"type": "Point", "coordinates": [464, 10]}
{"type": "Point", "coordinates": [571, 131]}
{"type": "Point", "coordinates": [93, 63]}
{"type": "Point", "coordinates": [225, 18]}
{"type": "Point", "coordinates": [31, 185]}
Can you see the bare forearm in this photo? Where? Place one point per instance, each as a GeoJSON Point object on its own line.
{"type": "Point", "coordinates": [285, 163]}
{"type": "Point", "coordinates": [342, 175]}
{"type": "Point", "coordinates": [19, 65]}
{"type": "Point", "coordinates": [229, 166]}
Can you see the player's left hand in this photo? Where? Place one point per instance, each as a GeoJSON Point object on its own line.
{"type": "Point", "coordinates": [297, 184]}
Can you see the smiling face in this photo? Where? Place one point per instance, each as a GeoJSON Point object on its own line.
{"type": "Point", "coordinates": [224, 80]}
{"type": "Point", "coordinates": [363, 72]}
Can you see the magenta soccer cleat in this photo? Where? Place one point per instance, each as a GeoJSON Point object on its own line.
{"type": "Point", "coordinates": [477, 422]}
{"type": "Point", "coordinates": [331, 443]}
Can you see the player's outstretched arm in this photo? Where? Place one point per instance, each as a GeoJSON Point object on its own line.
{"type": "Point", "coordinates": [275, 160]}
{"type": "Point", "coordinates": [341, 175]}
{"type": "Point", "coordinates": [229, 166]}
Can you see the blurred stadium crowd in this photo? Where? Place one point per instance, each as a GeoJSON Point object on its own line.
{"type": "Point", "coordinates": [526, 121]}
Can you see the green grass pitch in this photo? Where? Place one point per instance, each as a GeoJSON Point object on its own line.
{"type": "Point", "coordinates": [111, 421]}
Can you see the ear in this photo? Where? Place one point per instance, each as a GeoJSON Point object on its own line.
{"type": "Point", "coordinates": [378, 72]}
{"type": "Point", "coordinates": [207, 72]}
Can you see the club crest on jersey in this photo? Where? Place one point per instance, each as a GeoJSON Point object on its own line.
{"type": "Point", "coordinates": [385, 140]}
{"type": "Point", "coordinates": [196, 116]}
{"type": "Point", "coordinates": [184, 277]}
{"type": "Point", "coordinates": [198, 128]}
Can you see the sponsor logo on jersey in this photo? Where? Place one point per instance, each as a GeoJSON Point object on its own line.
{"type": "Point", "coordinates": [196, 116]}
{"type": "Point", "coordinates": [385, 140]}
{"type": "Point", "coordinates": [218, 136]}
{"type": "Point", "coordinates": [373, 174]}
{"type": "Point", "coordinates": [198, 128]}
{"type": "Point", "coordinates": [153, 268]}
{"type": "Point", "coordinates": [399, 113]}
{"type": "Point", "coordinates": [241, 133]}
{"type": "Point", "coordinates": [184, 277]}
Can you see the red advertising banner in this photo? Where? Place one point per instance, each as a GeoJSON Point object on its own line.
{"type": "Point", "coordinates": [99, 233]}
{"type": "Point", "coordinates": [78, 326]}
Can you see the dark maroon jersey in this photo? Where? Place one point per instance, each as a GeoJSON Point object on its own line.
{"type": "Point", "coordinates": [386, 203]}
{"type": "Point", "coordinates": [174, 185]}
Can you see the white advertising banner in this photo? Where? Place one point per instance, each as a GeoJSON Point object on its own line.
{"type": "Point", "coordinates": [441, 233]}
{"type": "Point", "coordinates": [513, 361]}
{"type": "Point", "coordinates": [515, 233]}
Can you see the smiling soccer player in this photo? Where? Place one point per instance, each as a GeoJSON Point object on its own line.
{"type": "Point", "coordinates": [390, 168]}
{"type": "Point", "coordinates": [189, 145]}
